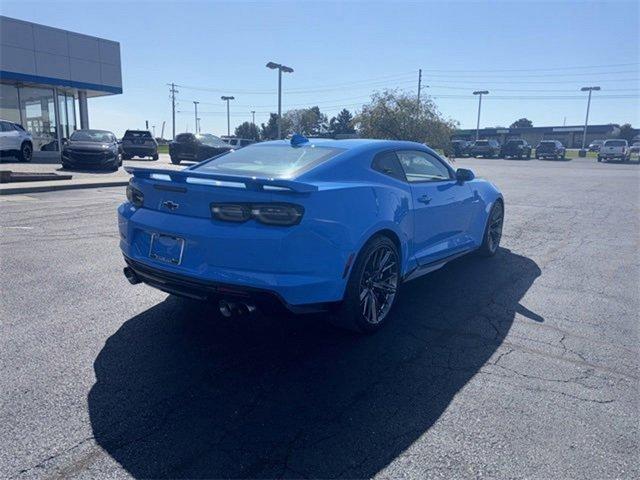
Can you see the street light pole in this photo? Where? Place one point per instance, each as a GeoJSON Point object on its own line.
{"type": "Point", "coordinates": [586, 120]}
{"type": "Point", "coordinates": [281, 68]}
{"type": "Point", "coordinates": [480, 93]}
{"type": "Point", "coordinates": [228, 120]}
{"type": "Point", "coordinates": [253, 117]}
{"type": "Point", "coordinates": [195, 104]}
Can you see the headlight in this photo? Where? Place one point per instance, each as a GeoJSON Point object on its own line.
{"type": "Point", "coordinates": [135, 196]}
{"type": "Point", "coordinates": [282, 214]}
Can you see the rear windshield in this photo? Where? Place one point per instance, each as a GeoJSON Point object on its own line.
{"type": "Point", "coordinates": [482, 143]}
{"type": "Point", "coordinates": [279, 161]}
{"type": "Point", "coordinates": [548, 144]}
{"type": "Point", "coordinates": [136, 134]}
{"type": "Point", "coordinates": [515, 142]}
{"type": "Point", "coordinates": [615, 143]}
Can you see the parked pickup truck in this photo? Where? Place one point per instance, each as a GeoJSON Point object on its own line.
{"type": "Point", "coordinates": [615, 150]}
{"type": "Point", "coordinates": [551, 149]}
{"type": "Point", "coordinates": [485, 148]}
{"type": "Point", "coordinates": [516, 148]}
{"type": "Point", "coordinates": [196, 148]}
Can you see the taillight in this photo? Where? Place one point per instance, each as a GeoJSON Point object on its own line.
{"type": "Point", "coordinates": [230, 212]}
{"type": "Point", "coordinates": [135, 196]}
{"type": "Point", "coordinates": [281, 214]}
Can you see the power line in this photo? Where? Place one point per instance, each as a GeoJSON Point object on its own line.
{"type": "Point", "coordinates": [536, 69]}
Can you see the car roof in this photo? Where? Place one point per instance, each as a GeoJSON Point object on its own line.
{"type": "Point", "coordinates": [355, 144]}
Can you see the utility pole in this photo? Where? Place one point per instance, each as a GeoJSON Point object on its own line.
{"type": "Point", "coordinates": [154, 130]}
{"type": "Point", "coordinates": [480, 93]}
{"type": "Point", "coordinates": [225, 98]}
{"type": "Point", "coordinates": [195, 104]}
{"type": "Point", "coordinates": [162, 131]}
{"type": "Point", "coordinates": [173, 92]}
{"type": "Point", "coordinates": [419, 86]}
{"type": "Point", "coordinates": [586, 120]}
{"type": "Point", "coordinates": [253, 117]}
{"type": "Point", "coordinates": [146, 125]}
{"type": "Point", "coordinates": [281, 68]}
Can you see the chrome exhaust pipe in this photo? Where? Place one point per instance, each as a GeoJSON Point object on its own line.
{"type": "Point", "coordinates": [131, 276]}
{"type": "Point", "coordinates": [226, 308]}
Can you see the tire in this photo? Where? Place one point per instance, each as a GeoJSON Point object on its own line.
{"type": "Point", "coordinates": [357, 312]}
{"type": "Point", "coordinates": [175, 161]}
{"type": "Point", "coordinates": [155, 157]}
{"type": "Point", "coordinates": [529, 156]}
{"type": "Point", "coordinates": [26, 152]}
{"type": "Point", "coordinates": [599, 159]}
{"type": "Point", "coordinates": [492, 231]}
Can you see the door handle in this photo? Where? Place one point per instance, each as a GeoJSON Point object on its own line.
{"type": "Point", "coordinates": [424, 199]}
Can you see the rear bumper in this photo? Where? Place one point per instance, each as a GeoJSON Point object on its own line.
{"type": "Point", "coordinates": [190, 287]}
{"type": "Point", "coordinates": [297, 267]}
{"type": "Point", "coordinates": [146, 151]}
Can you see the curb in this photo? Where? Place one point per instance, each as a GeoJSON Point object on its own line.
{"type": "Point", "coordinates": [18, 189]}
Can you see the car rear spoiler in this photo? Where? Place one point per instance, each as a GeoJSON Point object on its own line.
{"type": "Point", "coordinates": [221, 180]}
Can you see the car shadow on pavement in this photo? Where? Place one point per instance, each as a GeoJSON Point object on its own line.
{"type": "Point", "coordinates": [182, 393]}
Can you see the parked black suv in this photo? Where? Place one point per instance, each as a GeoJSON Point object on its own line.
{"type": "Point", "coordinates": [196, 147]}
{"type": "Point", "coordinates": [460, 148]}
{"type": "Point", "coordinates": [551, 149]}
{"type": "Point", "coordinates": [139, 143]}
{"type": "Point", "coordinates": [485, 148]}
{"type": "Point", "coordinates": [516, 148]}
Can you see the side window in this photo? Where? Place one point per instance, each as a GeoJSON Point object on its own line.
{"type": "Point", "coordinates": [5, 127]}
{"type": "Point", "coordinates": [422, 167]}
{"type": "Point", "coordinates": [388, 164]}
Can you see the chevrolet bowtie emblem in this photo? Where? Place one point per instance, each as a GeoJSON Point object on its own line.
{"type": "Point", "coordinates": [170, 205]}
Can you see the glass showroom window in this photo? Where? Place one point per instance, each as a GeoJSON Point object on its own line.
{"type": "Point", "coordinates": [67, 114]}
{"type": "Point", "coordinates": [39, 117]}
{"type": "Point", "coordinates": [9, 103]}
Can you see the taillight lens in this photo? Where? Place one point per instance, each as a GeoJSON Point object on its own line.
{"type": "Point", "coordinates": [135, 196]}
{"type": "Point", "coordinates": [282, 214]}
{"type": "Point", "coordinates": [231, 212]}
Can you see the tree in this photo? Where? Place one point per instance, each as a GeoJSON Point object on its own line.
{"type": "Point", "coordinates": [306, 121]}
{"type": "Point", "coordinates": [248, 130]}
{"type": "Point", "coordinates": [396, 115]}
{"type": "Point", "coordinates": [522, 123]}
{"type": "Point", "coordinates": [342, 123]}
{"type": "Point", "coordinates": [270, 130]}
{"type": "Point", "coordinates": [627, 132]}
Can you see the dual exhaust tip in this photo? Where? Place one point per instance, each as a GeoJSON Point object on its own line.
{"type": "Point", "coordinates": [227, 308]}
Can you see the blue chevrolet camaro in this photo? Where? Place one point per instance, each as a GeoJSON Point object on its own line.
{"type": "Point", "coordinates": [312, 225]}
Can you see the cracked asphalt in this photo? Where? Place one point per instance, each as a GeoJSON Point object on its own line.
{"type": "Point", "coordinates": [522, 366]}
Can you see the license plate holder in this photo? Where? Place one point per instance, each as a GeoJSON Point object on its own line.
{"type": "Point", "coordinates": [166, 248]}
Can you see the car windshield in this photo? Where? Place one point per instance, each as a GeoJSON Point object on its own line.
{"type": "Point", "coordinates": [211, 140]}
{"type": "Point", "coordinates": [137, 134]}
{"type": "Point", "coordinates": [515, 142]}
{"type": "Point", "coordinates": [98, 136]}
{"type": "Point", "coordinates": [279, 161]}
{"type": "Point", "coordinates": [614, 143]}
{"type": "Point", "coordinates": [482, 143]}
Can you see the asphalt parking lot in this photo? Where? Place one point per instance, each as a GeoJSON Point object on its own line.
{"type": "Point", "coordinates": [524, 365]}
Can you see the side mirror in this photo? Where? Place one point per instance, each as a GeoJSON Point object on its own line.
{"type": "Point", "coordinates": [464, 175]}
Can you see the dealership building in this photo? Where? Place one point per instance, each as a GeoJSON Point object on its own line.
{"type": "Point", "coordinates": [569, 136]}
{"type": "Point", "coordinates": [47, 75]}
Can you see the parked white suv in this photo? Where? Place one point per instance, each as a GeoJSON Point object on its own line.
{"type": "Point", "coordinates": [615, 150]}
{"type": "Point", "coordinates": [15, 141]}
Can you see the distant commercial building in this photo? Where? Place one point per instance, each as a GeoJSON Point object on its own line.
{"type": "Point", "coordinates": [570, 136]}
{"type": "Point", "coordinates": [46, 76]}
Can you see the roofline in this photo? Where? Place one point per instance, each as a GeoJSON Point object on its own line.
{"type": "Point", "coordinates": [60, 82]}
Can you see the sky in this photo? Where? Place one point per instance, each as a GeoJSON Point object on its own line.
{"type": "Point", "coordinates": [533, 57]}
